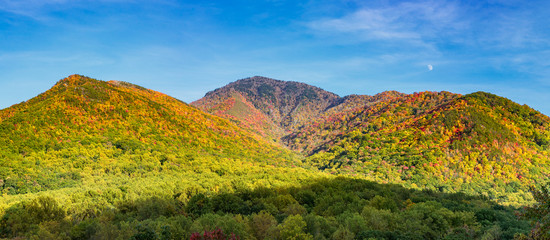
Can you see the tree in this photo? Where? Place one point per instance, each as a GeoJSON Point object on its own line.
{"type": "Point", "coordinates": [539, 212]}
{"type": "Point", "coordinates": [262, 224]}
{"type": "Point", "coordinates": [198, 205]}
{"type": "Point", "coordinates": [293, 227]}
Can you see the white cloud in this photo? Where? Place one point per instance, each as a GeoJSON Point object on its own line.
{"type": "Point", "coordinates": [406, 21]}
{"type": "Point", "coordinates": [430, 67]}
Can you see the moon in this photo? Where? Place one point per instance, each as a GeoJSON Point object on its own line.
{"type": "Point", "coordinates": [430, 67]}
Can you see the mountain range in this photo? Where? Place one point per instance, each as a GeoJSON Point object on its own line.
{"type": "Point", "coordinates": [114, 152]}
{"type": "Point", "coordinates": [475, 143]}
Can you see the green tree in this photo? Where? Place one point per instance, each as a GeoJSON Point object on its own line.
{"type": "Point", "coordinates": [539, 212]}
{"type": "Point", "coordinates": [198, 205]}
{"type": "Point", "coordinates": [262, 224]}
{"type": "Point", "coordinates": [293, 227]}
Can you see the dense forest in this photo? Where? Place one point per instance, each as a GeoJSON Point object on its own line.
{"type": "Point", "coordinates": [323, 208]}
{"type": "Point", "coordinates": [478, 143]}
{"type": "Point", "coordinates": [90, 159]}
{"type": "Point", "coordinates": [88, 127]}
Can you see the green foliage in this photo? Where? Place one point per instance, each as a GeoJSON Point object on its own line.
{"type": "Point", "coordinates": [199, 205]}
{"type": "Point", "coordinates": [26, 216]}
{"type": "Point", "coordinates": [124, 162]}
{"type": "Point", "coordinates": [83, 126]}
{"type": "Point", "coordinates": [478, 143]}
{"type": "Point", "coordinates": [293, 227]}
{"type": "Point", "coordinates": [138, 214]}
{"type": "Point", "coordinates": [85, 229]}
{"type": "Point", "coordinates": [144, 233]}
{"type": "Point", "coordinates": [263, 225]}
{"type": "Point", "coordinates": [539, 213]}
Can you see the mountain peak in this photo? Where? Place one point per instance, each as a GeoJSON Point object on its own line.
{"type": "Point", "coordinates": [125, 84]}
{"type": "Point", "coordinates": [288, 104]}
{"type": "Point", "coordinates": [82, 85]}
{"type": "Point", "coordinates": [266, 80]}
{"type": "Point", "coordinates": [75, 79]}
{"type": "Point", "coordinates": [81, 112]}
{"type": "Point", "coordinates": [264, 85]}
{"type": "Point", "coordinates": [259, 78]}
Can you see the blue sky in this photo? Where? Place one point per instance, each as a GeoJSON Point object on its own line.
{"type": "Point", "coordinates": [185, 49]}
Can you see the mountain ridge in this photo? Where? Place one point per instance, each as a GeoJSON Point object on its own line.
{"type": "Point", "coordinates": [86, 122]}
{"type": "Point", "coordinates": [422, 139]}
{"type": "Point", "coordinates": [90, 159]}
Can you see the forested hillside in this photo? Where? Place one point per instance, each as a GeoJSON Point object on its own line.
{"type": "Point", "coordinates": [96, 146]}
{"type": "Point", "coordinates": [267, 106]}
{"type": "Point", "coordinates": [90, 159]}
{"type": "Point", "coordinates": [478, 143]}
{"type": "Point", "coordinates": [84, 126]}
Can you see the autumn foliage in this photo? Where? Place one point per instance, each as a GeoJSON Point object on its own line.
{"type": "Point", "coordinates": [268, 159]}
{"type": "Point", "coordinates": [477, 143]}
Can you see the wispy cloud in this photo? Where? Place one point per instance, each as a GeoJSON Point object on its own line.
{"type": "Point", "coordinates": [33, 9]}
{"type": "Point", "coordinates": [405, 21]}
{"type": "Point", "coordinates": [492, 33]}
{"type": "Point", "coordinates": [41, 10]}
{"type": "Point", "coordinates": [431, 22]}
{"type": "Point", "coordinates": [514, 30]}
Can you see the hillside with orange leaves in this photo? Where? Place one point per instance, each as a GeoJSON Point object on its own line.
{"type": "Point", "coordinates": [90, 159]}
{"type": "Point", "coordinates": [83, 126]}
{"type": "Point", "coordinates": [478, 143]}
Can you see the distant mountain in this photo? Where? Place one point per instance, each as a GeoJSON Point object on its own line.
{"type": "Point", "coordinates": [267, 106]}
{"type": "Point", "coordinates": [275, 108]}
{"type": "Point", "coordinates": [477, 143]}
{"type": "Point", "coordinates": [114, 127]}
